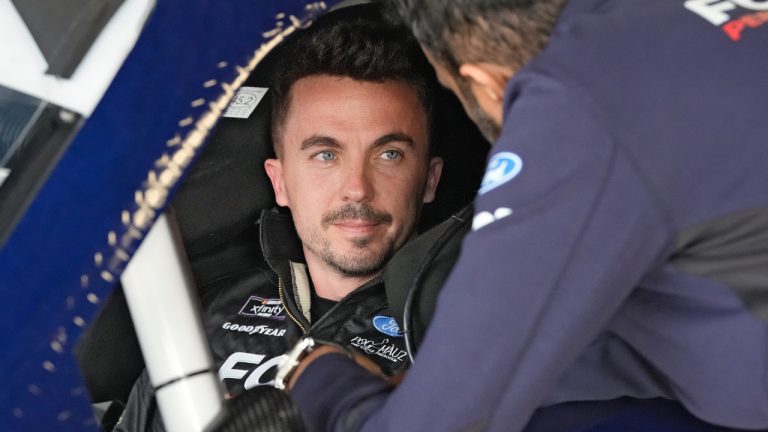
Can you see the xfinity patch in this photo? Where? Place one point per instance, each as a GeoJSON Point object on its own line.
{"type": "Point", "coordinates": [387, 325]}
{"type": "Point", "coordinates": [502, 168]}
{"type": "Point", "coordinates": [258, 307]}
{"type": "Point", "coordinates": [244, 102]}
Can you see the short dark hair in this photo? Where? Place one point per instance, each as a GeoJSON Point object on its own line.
{"type": "Point", "coordinates": [505, 32]}
{"type": "Point", "coordinates": [355, 42]}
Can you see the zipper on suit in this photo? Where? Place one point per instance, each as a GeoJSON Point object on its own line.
{"type": "Point", "coordinates": [281, 291]}
{"type": "Point", "coordinates": [304, 330]}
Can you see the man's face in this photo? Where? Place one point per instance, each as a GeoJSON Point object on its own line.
{"type": "Point", "coordinates": [354, 169]}
{"type": "Point", "coordinates": [476, 105]}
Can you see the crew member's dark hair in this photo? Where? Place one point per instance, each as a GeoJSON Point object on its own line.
{"type": "Point", "coordinates": [505, 32]}
{"type": "Point", "coordinates": [358, 43]}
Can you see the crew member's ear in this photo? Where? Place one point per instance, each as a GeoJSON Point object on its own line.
{"type": "Point", "coordinates": [487, 78]}
{"type": "Point", "coordinates": [274, 170]}
{"type": "Point", "coordinates": [433, 178]}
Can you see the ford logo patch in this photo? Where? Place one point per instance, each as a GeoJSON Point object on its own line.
{"type": "Point", "coordinates": [387, 325]}
{"type": "Point", "coordinates": [502, 168]}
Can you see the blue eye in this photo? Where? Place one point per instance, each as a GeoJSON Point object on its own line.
{"type": "Point", "coordinates": [325, 156]}
{"type": "Point", "coordinates": [390, 155]}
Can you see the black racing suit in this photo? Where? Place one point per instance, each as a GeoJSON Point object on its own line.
{"type": "Point", "coordinates": [254, 317]}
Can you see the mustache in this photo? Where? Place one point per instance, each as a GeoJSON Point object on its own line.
{"type": "Point", "coordinates": [358, 212]}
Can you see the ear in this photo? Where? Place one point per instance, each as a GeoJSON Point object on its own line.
{"type": "Point", "coordinates": [487, 78]}
{"type": "Point", "coordinates": [274, 170]}
{"type": "Point", "coordinates": [433, 178]}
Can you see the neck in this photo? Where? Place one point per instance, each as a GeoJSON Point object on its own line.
{"type": "Point", "coordinates": [329, 283]}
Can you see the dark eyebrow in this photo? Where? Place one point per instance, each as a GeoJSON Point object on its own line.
{"type": "Point", "coordinates": [395, 136]}
{"type": "Point", "coordinates": [319, 140]}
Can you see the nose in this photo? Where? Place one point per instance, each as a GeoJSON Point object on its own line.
{"type": "Point", "coordinates": [358, 186]}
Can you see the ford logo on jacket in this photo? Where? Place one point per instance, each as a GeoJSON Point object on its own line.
{"type": "Point", "coordinates": [387, 325]}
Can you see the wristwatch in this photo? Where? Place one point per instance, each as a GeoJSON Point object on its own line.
{"type": "Point", "coordinates": [300, 351]}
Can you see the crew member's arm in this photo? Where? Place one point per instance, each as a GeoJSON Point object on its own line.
{"type": "Point", "coordinates": [554, 252]}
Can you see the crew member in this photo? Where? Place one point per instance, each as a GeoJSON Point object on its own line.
{"type": "Point", "coordinates": [621, 230]}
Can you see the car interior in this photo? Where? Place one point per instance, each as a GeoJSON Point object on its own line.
{"type": "Point", "coordinates": [217, 207]}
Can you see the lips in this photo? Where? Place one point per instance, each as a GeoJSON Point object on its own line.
{"type": "Point", "coordinates": [356, 226]}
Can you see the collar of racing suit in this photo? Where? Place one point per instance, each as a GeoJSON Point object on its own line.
{"type": "Point", "coordinates": [283, 251]}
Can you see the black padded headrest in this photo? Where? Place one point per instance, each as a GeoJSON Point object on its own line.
{"type": "Point", "coordinates": [226, 189]}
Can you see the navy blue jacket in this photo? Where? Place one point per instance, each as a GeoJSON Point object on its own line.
{"type": "Point", "coordinates": [620, 228]}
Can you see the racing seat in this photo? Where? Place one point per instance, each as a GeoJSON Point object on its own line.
{"type": "Point", "coordinates": [218, 204]}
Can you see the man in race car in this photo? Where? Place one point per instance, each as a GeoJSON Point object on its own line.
{"type": "Point", "coordinates": [619, 254]}
{"type": "Point", "coordinates": [350, 127]}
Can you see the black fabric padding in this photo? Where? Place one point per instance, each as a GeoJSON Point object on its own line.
{"type": "Point", "coordinates": [415, 275]}
{"type": "Point", "coordinates": [240, 254]}
{"type": "Point", "coordinates": [226, 189]}
{"type": "Point", "coordinates": [282, 242]}
{"type": "Point", "coordinates": [219, 201]}
{"type": "Point", "coordinates": [109, 353]}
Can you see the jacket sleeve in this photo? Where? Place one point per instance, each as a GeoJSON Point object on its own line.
{"type": "Point", "coordinates": [556, 248]}
{"type": "Point", "coordinates": [141, 409]}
